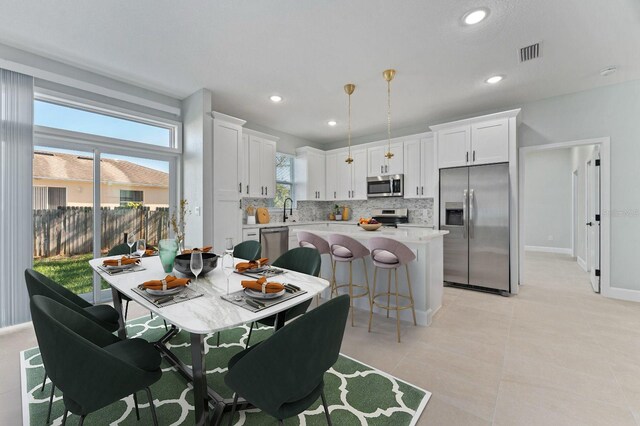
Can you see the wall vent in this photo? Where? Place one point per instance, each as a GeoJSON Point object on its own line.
{"type": "Point", "coordinates": [530, 52]}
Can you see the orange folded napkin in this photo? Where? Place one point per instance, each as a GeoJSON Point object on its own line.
{"type": "Point", "coordinates": [243, 266]}
{"type": "Point", "coordinates": [168, 282]}
{"type": "Point", "coordinates": [149, 252]}
{"type": "Point", "coordinates": [263, 286]}
{"type": "Point", "coordinates": [205, 249]}
{"type": "Point", "coordinates": [120, 262]}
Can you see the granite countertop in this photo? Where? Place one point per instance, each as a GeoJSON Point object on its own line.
{"type": "Point", "coordinates": [325, 222]}
{"type": "Point", "coordinates": [404, 235]}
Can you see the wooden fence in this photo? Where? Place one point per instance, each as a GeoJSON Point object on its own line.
{"type": "Point", "coordinates": [69, 230]}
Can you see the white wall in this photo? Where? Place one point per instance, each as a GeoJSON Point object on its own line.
{"type": "Point", "coordinates": [287, 143]}
{"type": "Point", "coordinates": [547, 200]}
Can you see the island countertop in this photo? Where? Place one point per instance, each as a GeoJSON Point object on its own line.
{"type": "Point", "coordinates": [404, 235]}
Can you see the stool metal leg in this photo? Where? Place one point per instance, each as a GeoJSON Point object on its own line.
{"type": "Point", "coordinates": [366, 278]}
{"type": "Point", "coordinates": [375, 276]}
{"type": "Point", "coordinates": [333, 281]}
{"type": "Point", "coordinates": [413, 307]}
{"type": "Point", "coordinates": [388, 291]}
{"type": "Point", "coordinates": [351, 290]}
{"type": "Point", "coordinates": [397, 305]}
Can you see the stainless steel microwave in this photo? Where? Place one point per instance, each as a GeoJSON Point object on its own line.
{"type": "Point", "coordinates": [385, 186]}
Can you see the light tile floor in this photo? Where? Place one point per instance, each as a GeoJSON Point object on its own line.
{"type": "Point", "coordinates": [556, 354]}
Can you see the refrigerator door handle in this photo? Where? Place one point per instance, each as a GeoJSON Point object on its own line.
{"type": "Point", "coordinates": [464, 214]}
{"type": "Point", "coordinates": [471, 201]}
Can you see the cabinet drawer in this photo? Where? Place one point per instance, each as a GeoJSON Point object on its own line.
{"type": "Point", "coordinates": [251, 234]}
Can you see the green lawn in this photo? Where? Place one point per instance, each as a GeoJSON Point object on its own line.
{"type": "Point", "coordinates": [72, 272]}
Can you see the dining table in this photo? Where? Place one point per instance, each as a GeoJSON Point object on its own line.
{"type": "Point", "coordinates": [200, 316]}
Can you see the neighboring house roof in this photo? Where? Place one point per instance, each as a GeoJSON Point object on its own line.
{"type": "Point", "coordinates": [59, 166]}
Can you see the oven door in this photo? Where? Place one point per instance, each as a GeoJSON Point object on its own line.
{"type": "Point", "coordinates": [379, 187]}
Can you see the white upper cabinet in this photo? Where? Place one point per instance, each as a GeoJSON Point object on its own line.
{"type": "Point", "coordinates": [420, 168]}
{"type": "Point", "coordinates": [454, 146]}
{"type": "Point", "coordinates": [379, 164]}
{"type": "Point", "coordinates": [490, 142]}
{"type": "Point", "coordinates": [331, 175]}
{"type": "Point", "coordinates": [260, 150]}
{"type": "Point", "coordinates": [475, 141]}
{"type": "Point", "coordinates": [346, 181]}
{"type": "Point", "coordinates": [310, 174]}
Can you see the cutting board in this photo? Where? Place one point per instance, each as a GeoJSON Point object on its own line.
{"type": "Point", "coordinates": [262, 214]}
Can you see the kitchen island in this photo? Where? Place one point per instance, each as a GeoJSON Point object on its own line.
{"type": "Point", "coordinates": [426, 271]}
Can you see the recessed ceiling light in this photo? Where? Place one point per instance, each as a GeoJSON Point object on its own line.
{"type": "Point", "coordinates": [475, 16]}
{"type": "Point", "coordinates": [332, 123]}
{"type": "Point", "coordinates": [495, 79]}
{"type": "Point", "coordinates": [608, 71]}
{"type": "Point", "coordinates": [276, 98]}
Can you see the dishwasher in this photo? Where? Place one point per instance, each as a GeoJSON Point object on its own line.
{"type": "Point", "coordinates": [274, 242]}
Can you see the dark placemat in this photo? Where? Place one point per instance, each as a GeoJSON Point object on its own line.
{"type": "Point", "coordinates": [231, 297]}
{"type": "Point", "coordinates": [187, 294]}
{"type": "Point", "coordinates": [136, 268]}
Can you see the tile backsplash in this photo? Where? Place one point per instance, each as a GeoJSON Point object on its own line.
{"type": "Point", "coordinates": [420, 210]}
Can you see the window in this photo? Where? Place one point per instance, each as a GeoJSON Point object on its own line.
{"type": "Point", "coordinates": [129, 197]}
{"type": "Point", "coordinates": [45, 198]}
{"type": "Point", "coordinates": [79, 120]}
{"type": "Point", "coordinates": [284, 179]}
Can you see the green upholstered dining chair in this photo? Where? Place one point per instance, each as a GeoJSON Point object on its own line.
{"type": "Point", "coordinates": [304, 349]}
{"type": "Point", "coordinates": [92, 367]}
{"type": "Point", "coordinates": [248, 250]}
{"type": "Point", "coordinates": [103, 315]}
{"type": "Point", "coordinates": [122, 249]}
{"type": "Point", "coordinates": [300, 259]}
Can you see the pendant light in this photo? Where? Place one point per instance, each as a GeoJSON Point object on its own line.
{"type": "Point", "coordinates": [388, 76]}
{"type": "Point", "coordinates": [349, 89]}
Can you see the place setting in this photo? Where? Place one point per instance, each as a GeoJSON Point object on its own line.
{"type": "Point", "coordinates": [260, 294]}
{"type": "Point", "coordinates": [167, 291]}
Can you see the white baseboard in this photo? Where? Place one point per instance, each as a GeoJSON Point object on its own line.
{"type": "Point", "coordinates": [622, 294]}
{"type": "Point", "coordinates": [556, 250]}
{"type": "Point", "coordinates": [582, 263]}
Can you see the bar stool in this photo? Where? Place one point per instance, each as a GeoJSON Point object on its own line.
{"type": "Point", "coordinates": [345, 250]}
{"type": "Point", "coordinates": [311, 240]}
{"type": "Point", "coordinates": [391, 255]}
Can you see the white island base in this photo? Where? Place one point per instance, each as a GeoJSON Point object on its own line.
{"type": "Point", "coordinates": [426, 270]}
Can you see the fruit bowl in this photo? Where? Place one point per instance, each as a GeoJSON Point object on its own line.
{"type": "Point", "coordinates": [370, 226]}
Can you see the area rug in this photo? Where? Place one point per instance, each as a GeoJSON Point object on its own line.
{"type": "Point", "coordinates": [357, 394]}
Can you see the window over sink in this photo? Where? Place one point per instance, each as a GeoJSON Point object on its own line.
{"type": "Point", "coordinates": [284, 179]}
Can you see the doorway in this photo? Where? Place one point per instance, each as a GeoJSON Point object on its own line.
{"type": "Point", "coordinates": [588, 201]}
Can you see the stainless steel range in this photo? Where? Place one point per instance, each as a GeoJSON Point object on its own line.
{"type": "Point", "coordinates": [391, 217]}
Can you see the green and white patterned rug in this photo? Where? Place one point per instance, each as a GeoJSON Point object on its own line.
{"type": "Point", "coordinates": [356, 393]}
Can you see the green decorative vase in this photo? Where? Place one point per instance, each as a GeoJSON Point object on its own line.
{"type": "Point", "coordinates": [168, 250]}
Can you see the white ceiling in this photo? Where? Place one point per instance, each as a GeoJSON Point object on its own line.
{"type": "Point", "coordinates": [306, 50]}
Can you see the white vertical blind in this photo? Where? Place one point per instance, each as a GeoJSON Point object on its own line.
{"type": "Point", "coordinates": [16, 158]}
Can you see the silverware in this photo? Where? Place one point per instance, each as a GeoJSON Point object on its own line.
{"type": "Point", "coordinates": [253, 303]}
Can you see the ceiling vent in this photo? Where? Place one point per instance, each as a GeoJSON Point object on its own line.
{"type": "Point", "coordinates": [530, 52]}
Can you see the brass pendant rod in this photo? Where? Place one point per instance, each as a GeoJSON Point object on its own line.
{"type": "Point", "coordinates": [349, 89]}
{"type": "Point", "coordinates": [388, 76]}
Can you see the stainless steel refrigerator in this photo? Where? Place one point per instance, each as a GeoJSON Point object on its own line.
{"type": "Point", "coordinates": [474, 208]}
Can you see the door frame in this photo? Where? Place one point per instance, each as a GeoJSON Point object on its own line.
{"type": "Point", "coordinates": [604, 144]}
{"type": "Point", "coordinates": [574, 211]}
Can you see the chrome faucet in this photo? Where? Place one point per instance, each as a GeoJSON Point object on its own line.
{"type": "Point", "coordinates": [284, 209]}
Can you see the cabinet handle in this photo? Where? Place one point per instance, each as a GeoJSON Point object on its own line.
{"type": "Point", "coordinates": [422, 190]}
{"type": "Point", "coordinates": [240, 187]}
{"type": "Point", "coordinates": [335, 195]}
{"type": "Point", "coordinates": [386, 169]}
{"type": "Point", "coordinates": [266, 190]}
{"type": "Point", "coordinates": [474, 155]}
{"type": "Point", "coordinates": [381, 169]}
{"type": "Point", "coordinates": [247, 189]}
{"type": "Point", "coordinates": [416, 190]}
{"type": "Point", "coordinates": [467, 157]}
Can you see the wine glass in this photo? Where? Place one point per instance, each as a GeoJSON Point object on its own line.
{"type": "Point", "coordinates": [196, 263]}
{"type": "Point", "coordinates": [228, 260]}
{"type": "Point", "coordinates": [131, 240]}
{"type": "Point", "coordinates": [141, 247]}
{"type": "Point", "coordinates": [228, 242]}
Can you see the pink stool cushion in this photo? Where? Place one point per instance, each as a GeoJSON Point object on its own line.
{"type": "Point", "coordinates": [346, 249]}
{"type": "Point", "coordinates": [343, 252]}
{"type": "Point", "coordinates": [384, 256]}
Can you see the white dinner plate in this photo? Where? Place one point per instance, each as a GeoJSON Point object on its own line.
{"type": "Point", "coordinates": [260, 295]}
{"type": "Point", "coordinates": [167, 292]}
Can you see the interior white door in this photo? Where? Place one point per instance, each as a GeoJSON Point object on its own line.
{"type": "Point", "coordinates": [593, 224]}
